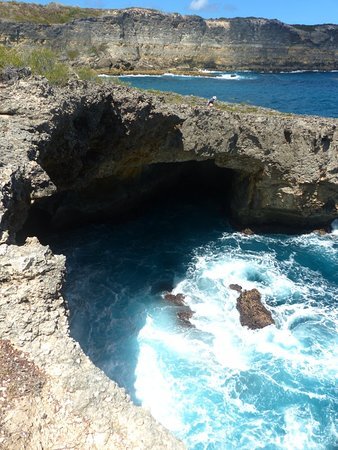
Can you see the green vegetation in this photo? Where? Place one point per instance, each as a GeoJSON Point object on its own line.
{"type": "Point", "coordinates": [198, 102]}
{"type": "Point", "coordinates": [49, 14]}
{"type": "Point", "coordinates": [73, 53]}
{"type": "Point", "coordinates": [44, 61]}
{"type": "Point", "coordinates": [309, 28]}
{"type": "Point", "coordinates": [10, 57]}
{"type": "Point", "coordinates": [87, 74]}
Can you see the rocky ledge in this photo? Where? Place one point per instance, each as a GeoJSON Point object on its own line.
{"type": "Point", "coordinates": [88, 152]}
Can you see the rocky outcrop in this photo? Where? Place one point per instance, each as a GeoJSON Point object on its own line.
{"type": "Point", "coordinates": [175, 299]}
{"type": "Point", "coordinates": [57, 398]}
{"type": "Point", "coordinates": [147, 39]}
{"type": "Point", "coordinates": [91, 151]}
{"type": "Point", "coordinates": [252, 313]}
{"type": "Point", "coordinates": [81, 153]}
{"type": "Point", "coordinates": [185, 316]}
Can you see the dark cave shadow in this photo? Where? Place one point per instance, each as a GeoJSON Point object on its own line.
{"type": "Point", "coordinates": [118, 270]}
{"type": "Point", "coordinates": [113, 268]}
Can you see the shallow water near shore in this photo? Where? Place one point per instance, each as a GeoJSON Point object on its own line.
{"type": "Point", "coordinates": [216, 385]}
{"type": "Point", "coordinates": [313, 93]}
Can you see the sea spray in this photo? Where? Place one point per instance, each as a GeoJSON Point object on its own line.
{"type": "Point", "coordinates": [216, 385]}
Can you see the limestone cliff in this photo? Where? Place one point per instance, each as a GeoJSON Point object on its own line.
{"type": "Point", "coordinates": [148, 39]}
{"type": "Point", "coordinates": [85, 151]}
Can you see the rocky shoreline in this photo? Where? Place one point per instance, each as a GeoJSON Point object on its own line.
{"type": "Point", "coordinates": [71, 154]}
{"type": "Point", "coordinates": [146, 39]}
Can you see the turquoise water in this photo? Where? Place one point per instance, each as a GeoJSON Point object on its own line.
{"type": "Point", "coordinates": [217, 385]}
{"type": "Point", "coordinates": [313, 93]}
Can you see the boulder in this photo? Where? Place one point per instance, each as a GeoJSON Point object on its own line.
{"type": "Point", "coordinates": [252, 312]}
{"type": "Point", "coordinates": [185, 316]}
{"type": "Point", "coordinates": [175, 299]}
{"type": "Point", "coordinates": [247, 231]}
{"type": "Point", "coordinates": [235, 287]}
{"type": "Point", "coordinates": [320, 231]}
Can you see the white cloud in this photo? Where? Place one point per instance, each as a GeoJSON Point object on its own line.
{"type": "Point", "coordinates": [198, 4]}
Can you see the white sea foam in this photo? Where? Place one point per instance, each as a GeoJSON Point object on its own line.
{"type": "Point", "coordinates": [299, 429]}
{"type": "Point", "coordinates": [334, 226]}
{"type": "Point", "coordinates": [230, 360]}
{"type": "Point", "coordinates": [233, 77]}
{"type": "Point", "coordinates": [153, 383]}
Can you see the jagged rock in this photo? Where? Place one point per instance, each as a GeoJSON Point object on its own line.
{"type": "Point", "coordinates": [185, 316]}
{"type": "Point", "coordinates": [253, 314]}
{"type": "Point", "coordinates": [320, 231]}
{"type": "Point", "coordinates": [99, 148]}
{"type": "Point", "coordinates": [175, 299]}
{"type": "Point", "coordinates": [63, 400]}
{"type": "Point", "coordinates": [81, 151]}
{"type": "Point", "coordinates": [235, 287]}
{"type": "Point", "coordinates": [12, 74]}
{"type": "Point", "coordinates": [247, 231]}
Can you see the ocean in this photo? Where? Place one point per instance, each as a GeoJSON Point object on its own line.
{"type": "Point", "coordinates": [215, 385]}
{"type": "Point", "coordinates": [314, 93]}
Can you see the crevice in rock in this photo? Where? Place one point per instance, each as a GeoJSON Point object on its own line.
{"type": "Point", "coordinates": [288, 136]}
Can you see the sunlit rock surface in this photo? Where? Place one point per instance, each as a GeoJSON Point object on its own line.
{"type": "Point", "coordinates": [137, 38]}
{"type": "Point", "coordinates": [69, 155]}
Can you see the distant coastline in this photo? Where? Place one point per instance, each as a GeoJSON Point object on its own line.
{"type": "Point", "coordinates": [148, 41]}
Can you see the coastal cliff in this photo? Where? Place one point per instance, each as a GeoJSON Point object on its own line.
{"type": "Point", "coordinates": [95, 150]}
{"type": "Point", "coordinates": [84, 152]}
{"type": "Point", "coordinates": [143, 39]}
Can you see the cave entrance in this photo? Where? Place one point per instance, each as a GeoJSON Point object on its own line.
{"type": "Point", "coordinates": [118, 271]}
{"type": "Point", "coordinates": [186, 181]}
{"type": "Point", "coordinates": [119, 199]}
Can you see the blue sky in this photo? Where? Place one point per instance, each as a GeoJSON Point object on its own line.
{"type": "Point", "coordinates": [288, 11]}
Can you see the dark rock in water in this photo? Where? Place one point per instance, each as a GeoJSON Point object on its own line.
{"type": "Point", "coordinates": [235, 287]}
{"type": "Point", "coordinates": [185, 317]}
{"type": "Point", "coordinates": [247, 231]}
{"type": "Point", "coordinates": [321, 232]}
{"type": "Point", "coordinates": [253, 313]}
{"type": "Point", "coordinates": [175, 299]}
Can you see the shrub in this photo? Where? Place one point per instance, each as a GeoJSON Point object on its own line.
{"type": "Point", "coordinates": [87, 74]}
{"type": "Point", "coordinates": [43, 61]}
{"type": "Point", "coordinates": [73, 53]}
{"type": "Point", "coordinates": [10, 57]}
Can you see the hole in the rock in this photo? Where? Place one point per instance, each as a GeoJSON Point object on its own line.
{"type": "Point", "coordinates": [120, 199]}
{"type": "Point", "coordinates": [119, 268]}
{"type": "Point", "coordinates": [173, 232]}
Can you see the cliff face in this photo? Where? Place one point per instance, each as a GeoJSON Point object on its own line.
{"type": "Point", "coordinates": [147, 39]}
{"type": "Point", "coordinates": [83, 151]}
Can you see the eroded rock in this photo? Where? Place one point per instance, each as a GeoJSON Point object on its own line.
{"type": "Point", "coordinates": [68, 402]}
{"type": "Point", "coordinates": [185, 316]}
{"type": "Point", "coordinates": [235, 287]}
{"type": "Point", "coordinates": [253, 314]}
{"type": "Point", "coordinates": [151, 39]}
{"type": "Point", "coordinates": [175, 299]}
{"type": "Point", "coordinates": [248, 232]}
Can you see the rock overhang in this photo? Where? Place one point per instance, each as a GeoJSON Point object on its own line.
{"type": "Point", "coordinates": [59, 143]}
{"type": "Point", "coordinates": [72, 140]}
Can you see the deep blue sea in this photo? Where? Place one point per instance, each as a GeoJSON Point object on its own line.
{"type": "Point", "coordinates": [217, 385]}
{"type": "Point", "coordinates": [313, 93]}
